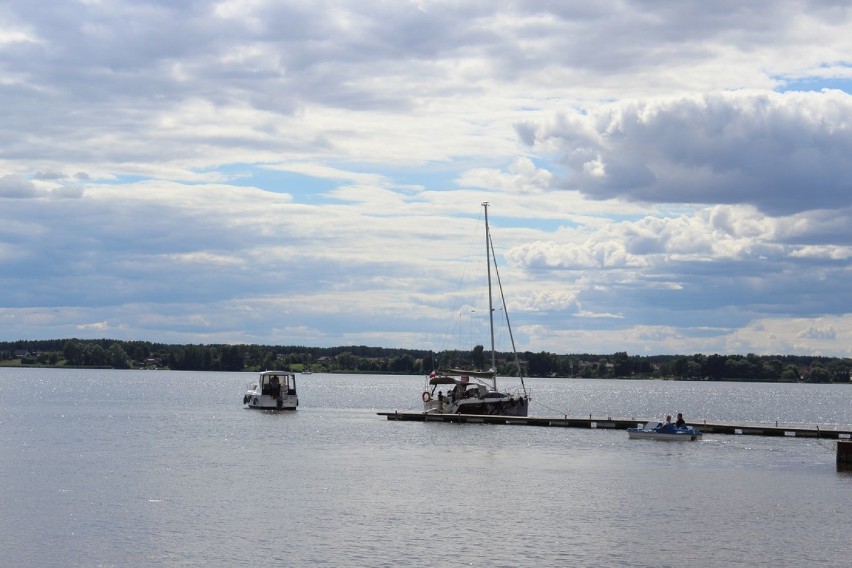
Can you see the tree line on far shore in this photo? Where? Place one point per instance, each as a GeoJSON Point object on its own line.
{"type": "Point", "coordinates": [119, 354]}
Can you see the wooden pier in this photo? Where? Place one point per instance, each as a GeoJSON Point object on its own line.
{"type": "Point", "coordinates": [609, 423]}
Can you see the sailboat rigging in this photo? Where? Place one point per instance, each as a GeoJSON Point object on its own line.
{"type": "Point", "coordinates": [480, 395]}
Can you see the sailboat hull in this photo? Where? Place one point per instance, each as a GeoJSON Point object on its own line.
{"type": "Point", "coordinates": [509, 406]}
{"type": "Point", "coordinates": [515, 407]}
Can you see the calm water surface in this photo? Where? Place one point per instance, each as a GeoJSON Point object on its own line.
{"type": "Point", "coordinates": [149, 468]}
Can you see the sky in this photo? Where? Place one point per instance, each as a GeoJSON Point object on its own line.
{"type": "Point", "coordinates": [666, 177]}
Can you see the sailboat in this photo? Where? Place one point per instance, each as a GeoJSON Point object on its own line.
{"type": "Point", "coordinates": [464, 391]}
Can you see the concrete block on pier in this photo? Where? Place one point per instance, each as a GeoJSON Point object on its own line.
{"type": "Point", "coordinates": [844, 455]}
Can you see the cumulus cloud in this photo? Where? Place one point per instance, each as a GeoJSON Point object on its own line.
{"type": "Point", "coordinates": [19, 187]}
{"type": "Point", "coordinates": [818, 333]}
{"type": "Point", "coordinates": [713, 233]}
{"type": "Point", "coordinates": [591, 254]}
{"type": "Point", "coordinates": [544, 301]}
{"type": "Point", "coordinates": [780, 152]}
{"type": "Point", "coordinates": [522, 176]}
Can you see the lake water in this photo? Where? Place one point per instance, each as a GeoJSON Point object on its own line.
{"type": "Point", "coordinates": [157, 468]}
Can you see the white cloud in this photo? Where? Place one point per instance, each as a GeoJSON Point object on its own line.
{"type": "Point", "coordinates": [97, 326]}
{"type": "Point", "coordinates": [522, 176]}
{"type": "Point", "coordinates": [606, 254]}
{"type": "Point", "coordinates": [818, 333]}
{"type": "Point", "coordinates": [544, 301]}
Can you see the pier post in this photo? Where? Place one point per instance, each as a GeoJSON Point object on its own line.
{"type": "Point", "coordinates": [844, 455]}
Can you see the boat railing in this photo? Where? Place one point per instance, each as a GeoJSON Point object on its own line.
{"type": "Point", "coordinates": [518, 391]}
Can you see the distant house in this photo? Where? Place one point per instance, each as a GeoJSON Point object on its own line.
{"type": "Point", "coordinates": [21, 353]}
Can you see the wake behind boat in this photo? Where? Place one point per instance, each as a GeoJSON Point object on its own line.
{"type": "Point", "coordinates": [472, 391]}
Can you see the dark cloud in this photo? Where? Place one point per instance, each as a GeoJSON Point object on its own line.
{"type": "Point", "coordinates": [19, 187]}
{"type": "Point", "coordinates": [49, 175]}
{"type": "Point", "coordinates": [782, 153]}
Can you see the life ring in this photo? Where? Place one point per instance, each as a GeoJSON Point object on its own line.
{"type": "Point", "coordinates": [426, 396]}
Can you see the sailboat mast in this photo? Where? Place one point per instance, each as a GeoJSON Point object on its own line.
{"type": "Point", "coordinates": [490, 301]}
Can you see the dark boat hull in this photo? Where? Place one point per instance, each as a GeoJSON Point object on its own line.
{"type": "Point", "coordinates": [513, 407]}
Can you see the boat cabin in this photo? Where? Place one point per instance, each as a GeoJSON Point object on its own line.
{"type": "Point", "coordinates": [277, 383]}
{"type": "Point", "coordinates": [455, 388]}
{"type": "Point", "coordinates": [273, 390]}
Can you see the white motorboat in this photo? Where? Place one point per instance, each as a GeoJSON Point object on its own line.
{"type": "Point", "coordinates": [274, 390]}
{"type": "Point", "coordinates": [660, 431]}
{"type": "Point", "coordinates": [475, 392]}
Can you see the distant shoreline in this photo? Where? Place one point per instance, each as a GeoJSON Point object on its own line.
{"type": "Point", "coordinates": [359, 359]}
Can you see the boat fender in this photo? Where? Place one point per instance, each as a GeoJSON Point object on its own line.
{"type": "Point", "coordinates": [245, 399]}
{"type": "Point", "coordinates": [426, 396]}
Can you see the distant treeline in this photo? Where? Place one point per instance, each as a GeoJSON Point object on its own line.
{"type": "Point", "coordinates": [361, 359]}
